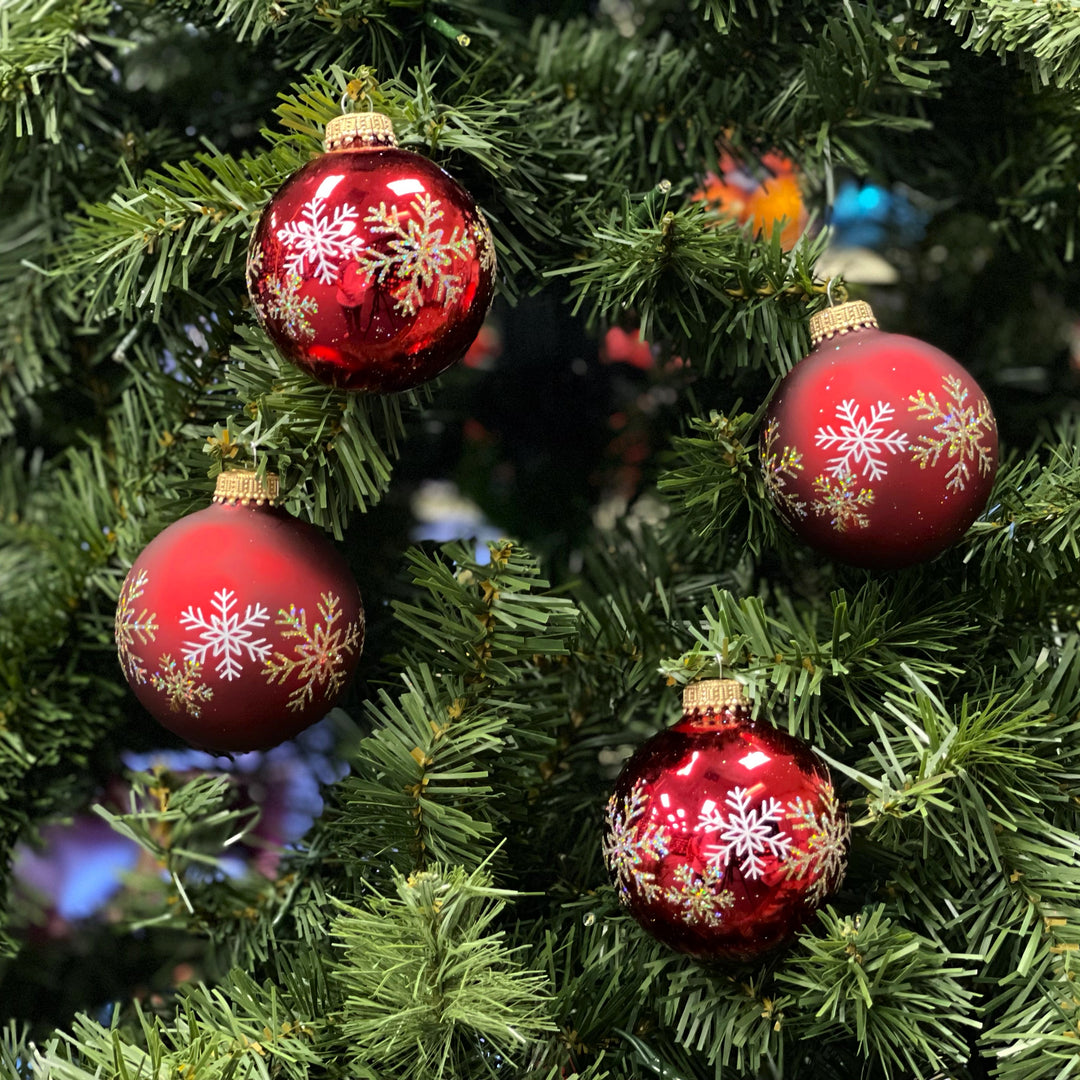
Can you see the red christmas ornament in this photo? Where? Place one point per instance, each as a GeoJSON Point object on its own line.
{"type": "Point", "coordinates": [724, 835]}
{"type": "Point", "coordinates": [239, 626]}
{"type": "Point", "coordinates": [878, 450]}
{"type": "Point", "coordinates": [371, 268]}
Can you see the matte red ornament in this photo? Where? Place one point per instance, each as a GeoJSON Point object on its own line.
{"type": "Point", "coordinates": [239, 626]}
{"type": "Point", "coordinates": [878, 450]}
{"type": "Point", "coordinates": [371, 268]}
{"type": "Point", "coordinates": [724, 834]}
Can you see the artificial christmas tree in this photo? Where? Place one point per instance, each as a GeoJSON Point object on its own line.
{"type": "Point", "coordinates": [448, 912]}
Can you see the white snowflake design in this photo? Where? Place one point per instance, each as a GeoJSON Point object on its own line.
{"type": "Point", "coordinates": [779, 468]}
{"type": "Point", "coordinates": [699, 896]}
{"type": "Point", "coordinates": [961, 430]}
{"type": "Point", "coordinates": [862, 441]}
{"type": "Point", "coordinates": [289, 308]}
{"type": "Point", "coordinates": [131, 624]}
{"type": "Point", "coordinates": [629, 842]}
{"type": "Point", "coordinates": [417, 258]}
{"type": "Point", "coordinates": [226, 634]}
{"type": "Point", "coordinates": [842, 501]}
{"type": "Point", "coordinates": [747, 834]}
{"type": "Point", "coordinates": [322, 242]}
{"type": "Point", "coordinates": [823, 853]}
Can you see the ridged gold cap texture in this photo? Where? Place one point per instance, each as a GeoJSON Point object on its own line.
{"type": "Point", "coordinates": [842, 319]}
{"type": "Point", "coordinates": [713, 694]}
{"type": "Point", "coordinates": [351, 131]}
{"type": "Point", "coordinates": [245, 486]}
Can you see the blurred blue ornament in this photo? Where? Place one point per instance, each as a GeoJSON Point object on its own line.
{"type": "Point", "coordinates": [78, 867]}
{"type": "Point", "coordinates": [872, 216]}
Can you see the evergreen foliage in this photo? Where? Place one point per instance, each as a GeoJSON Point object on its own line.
{"type": "Point", "coordinates": [448, 915]}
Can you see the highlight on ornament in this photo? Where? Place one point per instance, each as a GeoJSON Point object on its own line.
{"type": "Point", "coordinates": [724, 834]}
{"type": "Point", "coordinates": [371, 268]}
{"type": "Point", "coordinates": [239, 626]}
{"type": "Point", "coordinates": [877, 450]}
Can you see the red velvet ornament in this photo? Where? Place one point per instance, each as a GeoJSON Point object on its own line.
{"type": "Point", "coordinates": [371, 268]}
{"type": "Point", "coordinates": [239, 626]}
{"type": "Point", "coordinates": [878, 449]}
{"type": "Point", "coordinates": [724, 835]}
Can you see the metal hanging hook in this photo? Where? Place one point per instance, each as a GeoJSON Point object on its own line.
{"type": "Point", "coordinates": [829, 292]}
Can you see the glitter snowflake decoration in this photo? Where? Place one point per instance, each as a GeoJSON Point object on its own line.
{"type": "Point", "coordinates": [225, 634]}
{"type": "Point", "coordinates": [320, 654]}
{"type": "Point", "coordinates": [699, 895]}
{"type": "Point", "coordinates": [749, 834]}
{"type": "Point", "coordinates": [821, 843]}
{"type": "Point", "coordinates": [288, 307]}
{"type": "Point", "coordinates": [779, 468]}
{"type": "Point", "coordinates": [842, 501]}
{"type": "Point", "coordinates": [131, 625]}
{"type": "Point", "coordinates": [960, 431]}
{"type": "Point", "coordinates": [182, 685]}
{"type": "Point", "coordinates": [485, 243]}
{"type": "Point", "coordinates": [418, 257]}
{"type": "Point", "coordinates": [319, 241]}
{"type": "Point", "coordinates": [862, 441]}
{"type": "Point", "coordinates": [254, 268]}
{"type": "Point", "coordinates": [630, 842]}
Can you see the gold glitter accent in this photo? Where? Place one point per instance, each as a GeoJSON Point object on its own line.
{"type": "Point", "coordinates": [244, 486]}
{"type": "Point", "coordinates": [352, 131]}
{"type": "Point", "coordinates": [713, 694]}
{"type": "Point", "coordinates": [841, 319]}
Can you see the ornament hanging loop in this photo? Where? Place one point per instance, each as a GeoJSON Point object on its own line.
{"type": "Point", "coordinates": [360, 89]}
{"type": "Point", "coordinates": [830, 285]}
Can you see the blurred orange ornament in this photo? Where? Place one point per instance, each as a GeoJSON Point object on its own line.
{"type": "Point", "coordinates": [738, 194]}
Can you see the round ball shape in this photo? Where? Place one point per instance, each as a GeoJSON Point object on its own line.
{"type": "Point", "coordinates": [238, 627]}
{"type": "Point", "coordinates": [371, 269]}
{"type": "Point", "coordinates": [879, 450]}
{"type": "Point", "coordinates": [723, 836]}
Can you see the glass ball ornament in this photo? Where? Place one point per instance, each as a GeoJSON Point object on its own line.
{"type": "Point", "coordinates": [371, 268]}
{"type": "Point", "coordinates": [724, 834]}
{"type": "Point", "coordinates": [239, 626]}
{"type": "Point", "coordinates": [878, 450]}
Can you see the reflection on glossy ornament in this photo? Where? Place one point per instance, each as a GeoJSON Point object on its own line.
{"type": "Point", "coordinates": [724, 834]}
{"type": "Point", "coordinates": [239, 626]}
{"type": "Point", "coordinates": [371, 268]}
{"type": "Point", "coordinates": [877, 449]}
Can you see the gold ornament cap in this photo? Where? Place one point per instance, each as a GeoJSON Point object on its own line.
{"type": "Point", "coordinates": [360, 130]}
{"type": "Point", "coordinates": [842, 319]}
{"type": "Point", "coordinates": [714, 694]}
{"type": "Point", "coordinates": [245, 486]}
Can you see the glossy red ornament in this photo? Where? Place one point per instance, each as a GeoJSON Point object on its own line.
{"type": "Point", "coordinates": [878, 450]}
{"type": "Point", "coordinates": [371, 268]}
{"type": "Point", "coordinates": [724, 834]}
{"type": "Point", "coordinates": [239, 626]}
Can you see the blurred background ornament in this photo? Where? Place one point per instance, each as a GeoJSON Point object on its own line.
{"type": "Point", "coordinates": [762, 198]}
